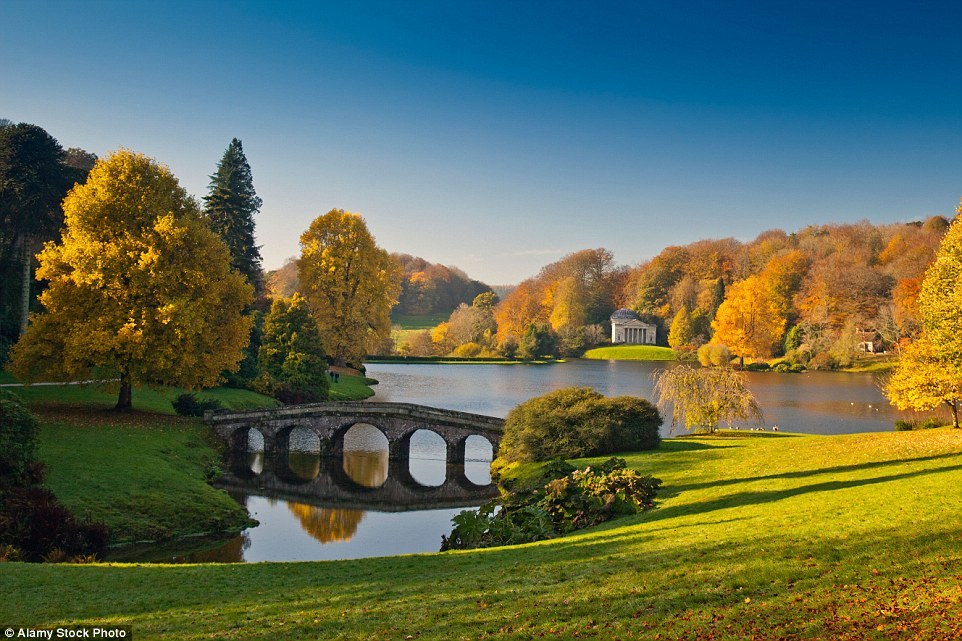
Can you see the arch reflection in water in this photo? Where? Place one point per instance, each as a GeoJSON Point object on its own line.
{"type": "Point", "coordinates": [365, 459]}
{"type": "Point", "coordinates": [427, 464]}
{"type": "Point", "coordinates": [478, 453]}
{"type": "Point", "coordinates": [358, 481]}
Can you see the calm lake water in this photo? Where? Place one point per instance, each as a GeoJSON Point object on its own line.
{"type": "Point", "coordinates": [311, 509]}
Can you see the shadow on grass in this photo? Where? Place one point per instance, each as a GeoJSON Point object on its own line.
{"type": "Point", "coordinates": [757, 498]}
{"type": "Point", "coordinates": [674, 490]}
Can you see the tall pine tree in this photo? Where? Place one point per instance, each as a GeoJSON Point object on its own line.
{"type": "Point", "coordinates": [230, 207]}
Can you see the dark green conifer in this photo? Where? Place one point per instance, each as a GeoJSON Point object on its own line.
{"type": "Point", "coordinates": [230, 207]}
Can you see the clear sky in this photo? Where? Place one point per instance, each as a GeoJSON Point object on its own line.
{"type": "Point", "coordinates": [499, 136]}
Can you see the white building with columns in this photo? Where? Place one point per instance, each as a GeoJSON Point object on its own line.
{"type": "Point", "coordinates": [626, 327]}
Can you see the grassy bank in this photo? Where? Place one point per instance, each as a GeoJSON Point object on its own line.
{"type": "Point", "coordinates": [776, 536]}
{"type": "Point", "coordinates": [351, 388]}
{"type": "Point", "coordinates": [454, 360]}
{"type": "Point", "coordinates": [143, 473]}
{"type": "Point", "coordinates": [630, 353]}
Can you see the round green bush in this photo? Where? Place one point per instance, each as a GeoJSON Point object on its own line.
{"type": "Point", "coordinates": [576, 422]}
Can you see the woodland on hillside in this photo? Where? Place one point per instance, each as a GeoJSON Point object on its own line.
{"type": "Point", "coordinates": [816, 296]}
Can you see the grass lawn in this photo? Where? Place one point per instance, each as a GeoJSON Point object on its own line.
{"type": "Point", "coordinates": [755, 536]}
{"type": "Point", "coordinates": [874, 364]}
{"type": "Point", "coordinates": [351, 388]}
{"type": "Point", "coordinates": [145, 399]}
{"type": "Point", "coordinates": [143, 475]}
{"type": "Point", "coordinates": [411, 322]}
{"type": "Point", "coordinates": [630, 353]}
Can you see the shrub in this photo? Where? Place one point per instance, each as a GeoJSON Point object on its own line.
{"type": "Point", "coordinates": [18, 440]}
{"type": "Point", "coordinates": [822, 361]}
{"type": "Point", "coordinates": [930, 423]}
{"type": "Point", "coordinates": [576, 422]}
{"type": "Point", "coordinates": [467, 350]}
{"type": "Point", "coordinates": [33, 524]}
{"type": "Point", "coordinates": [757, 367]}
{"type": "Point", "coordinates": [189, 404]}
{"type": "Point", "coordinates": [38, 525]}
{"type": "Point", "coordinates": [714, 354]}
{"type": "Point", "coordinates": [574, 500]}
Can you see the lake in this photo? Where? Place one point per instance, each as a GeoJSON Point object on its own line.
{"type": "Point", "coordinates": [346, 509]}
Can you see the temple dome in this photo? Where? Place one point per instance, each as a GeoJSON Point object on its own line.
{"type": "Point", "coordinates": [624, 314]}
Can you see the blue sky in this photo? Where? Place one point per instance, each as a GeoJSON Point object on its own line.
{"type": "Point", "coordinates": [499, 136]}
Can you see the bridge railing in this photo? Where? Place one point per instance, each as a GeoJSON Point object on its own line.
{"type": "Point", "coordinates": [359, 409]}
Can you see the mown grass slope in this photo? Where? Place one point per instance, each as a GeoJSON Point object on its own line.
{"type": "Point", "coordinates": [630, 353]}
{"type": "Point", "coordinates": [764, 536]}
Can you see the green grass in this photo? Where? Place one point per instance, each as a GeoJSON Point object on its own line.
{"type": "Point", "coordinates": [351, 388]}
{"type": "Point", "coordinates": [412, 322]}
{"type": "Point", "coordinates": [873, 364]}
{"type": "Point", "coordinates": [145, 399]}
{"type": "Point", "coordinates": [455, 360]}
{"type": "Point", "coordinates": [630, 353]}
{"type": "Point", "coordinates": [764, 536]}
{"type": "Point", "coordinates": [143, 475]}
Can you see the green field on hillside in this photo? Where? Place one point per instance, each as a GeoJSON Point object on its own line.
{"type": "Point", "coordinates": [630, 353]}
{"type": "Point", "coordinates": [412, 322]}
{"type": "Point", "coordinates": [754, 535]}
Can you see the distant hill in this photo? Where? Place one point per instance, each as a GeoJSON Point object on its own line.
{"type": "Point", "coordinates": [426, 288]}
{"type": "Point", "coordinates": [432, 288]}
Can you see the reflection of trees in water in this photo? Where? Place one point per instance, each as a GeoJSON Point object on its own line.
{"type": "Point", "coordinates": [327, 525]}
{"type": "Point", "coordinates": [304, 465]}
{"type": "Point", "coordinates": [368, 469]}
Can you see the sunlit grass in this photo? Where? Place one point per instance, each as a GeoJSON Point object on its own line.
{"type": "Point", "coordinates": [350, 388]}
{"type": "Point", "coordinates": [631, 353]}
{"type": "Point", "coordinates": [774, 536]}
{"type": "Point", "coordinates": [414, 322]}
{"type": "Point", "coordinates": [144, 475]}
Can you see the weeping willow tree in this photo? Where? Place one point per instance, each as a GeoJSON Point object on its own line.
{"type": "Point", "coordinates": [701, 398]}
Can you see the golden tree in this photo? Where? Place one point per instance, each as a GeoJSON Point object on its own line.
{"type": "Point", "coordinates": [139, 286]}
{"type": "Point", "coordinates": [349, 282]}
{"type": "Point", "coordinates": [750, 321]}
{"type": "Point", "coordinates": [923, 380]}
{"type": "Point", "coordinates": [930, 371]}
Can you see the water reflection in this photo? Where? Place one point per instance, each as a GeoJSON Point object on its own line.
{"type": "Point", "coordinates": [367, 469]}
{"type": "Point", "coordinates": [327, 525]}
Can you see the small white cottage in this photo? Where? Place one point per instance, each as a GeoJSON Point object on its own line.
{"type": "Point", "coordinates": [626, 327]}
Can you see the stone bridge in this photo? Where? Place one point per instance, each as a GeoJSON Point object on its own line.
{"type": "Point", "coordinates": [332, 487]}
{"type": "Point", "coordinates": [331, 421]}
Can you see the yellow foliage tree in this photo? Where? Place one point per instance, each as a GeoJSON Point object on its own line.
{"type": "Point", "coordinates": [750, 321]}
{"type": "Point", "coordinates": [923, 381]}
{"type": "Point", "coordinates": [930, 371]}
{"type": "Point", "coordinates": [517, 311]}
{"type": "Point", "coordinates": [568, 305]}
{"type": "Point", "coordinates": [349, 282]}
{"type": "Point", "coordinates": [139, 286]}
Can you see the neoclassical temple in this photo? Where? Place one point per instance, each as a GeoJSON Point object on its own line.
{"type": "Point", "coordinates": [626, 327]}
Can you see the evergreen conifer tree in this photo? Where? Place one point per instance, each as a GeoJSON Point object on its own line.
{"type": "Point", "coordinates": [230, 208]}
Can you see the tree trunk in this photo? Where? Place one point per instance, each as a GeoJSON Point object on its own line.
{"type": "Point", "coordinates": [955, 412]}
{"type": "Point", "coordinates": [124, 399]}
{"type": "Point", "coordinates": [26, 259]}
